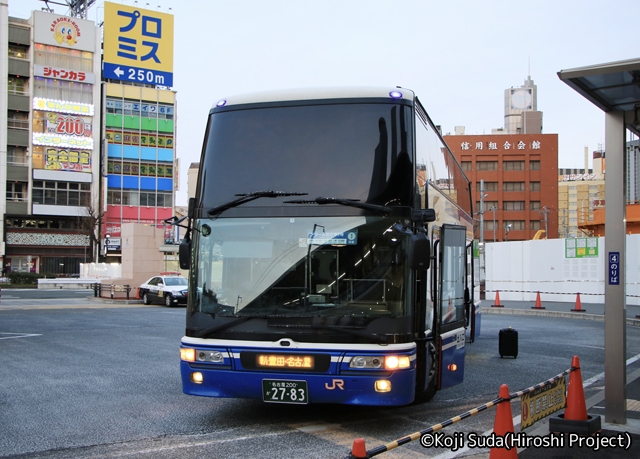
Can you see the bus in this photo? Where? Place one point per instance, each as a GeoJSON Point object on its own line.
{"type": "Point", "coordinates": [330, 252]}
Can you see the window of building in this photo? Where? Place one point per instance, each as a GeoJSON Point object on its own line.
{"type": "Point", "coordinates": [18, 51]}
{"type": "Point", "coordinates": [513, 186]}
{"type": "Point", "coordinates": [17, 120]}
{"type": "Point", "coordinates": [61, 193]}
{"type": "Point", "coordinates": [488, 186]}
{"type": "Point", "coordinates": [534, 225]}
{"type": "Point", "coordinates": [130, 198]}
{"type": "Point", "coordinates": [487, 165]}
{"type": "Point", "coordinates": [515, 224]}
{"type": "Point", "coordinates": [513, 205]}
{"type": "Point", "coordinates": [487, 205]}
{"type": "Point", "coordinates": [70, 91]}
{"type": "Point", "coordinates": [18, 86]}
{"type": "Point", "coordinates": [513, 165]}
{"type": "Point", "coordinates": [534, 165]}
{"type": "Point", "coordinates": [534, 186]}
{"type": "Point", "coordinates": [66, 58]}
{"type": "Point", "coordinates": [17, 191]}
{"type": "Point", "coordinates": [466, 165]}
{"type": "Point", "coordinates": [534, 205]}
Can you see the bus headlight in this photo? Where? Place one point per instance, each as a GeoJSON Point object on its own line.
{"type": "Point", "coordinates": [210, 356]}
{"type": "Point", "coordinates": [393, 362]}
{"type": "Point", "coordinates": [187, 354]}
{"type": "Point", "coordinates": [361, 361]}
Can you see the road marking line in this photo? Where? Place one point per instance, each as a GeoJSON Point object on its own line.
{"type": "Point", "coordinates": [18, 335]}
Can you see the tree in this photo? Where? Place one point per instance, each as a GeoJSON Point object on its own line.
{"type": "Point", "coordinates": [89, 224]}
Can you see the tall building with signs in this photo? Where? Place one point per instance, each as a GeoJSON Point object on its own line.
{"type": "Point", "coordinates": [520, 179]}
{"type": "Point", "coordinates": [139, 163]}
{"type": "Point", "coordinates": [83, 148]}
{"type": "Point", "coordinates": [521, 115]}
{"type": "Point", "coordinates": [49, 142]}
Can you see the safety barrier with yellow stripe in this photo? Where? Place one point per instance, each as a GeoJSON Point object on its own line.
{"type": "Point", "coordinates": [437, 427]}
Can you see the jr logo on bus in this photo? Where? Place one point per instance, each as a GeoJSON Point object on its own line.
{"type": "Point", "coordinates": [335, 383]}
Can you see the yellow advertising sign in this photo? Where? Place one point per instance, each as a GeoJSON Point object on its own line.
{"type": "Point", "coordinates": [138, 45]}
{"type": "Point", "coordinates": [542, 402]}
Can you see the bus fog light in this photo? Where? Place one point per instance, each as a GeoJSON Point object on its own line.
{"type": "Point", "coordinates": [382, 385]}
{"type": "Point", "coordinates": [187, 354]}
{"type": "Point", "coordinates": [196, 377]}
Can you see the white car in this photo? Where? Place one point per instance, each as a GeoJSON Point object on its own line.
{"type": "Point", "coordinates": [165, 289]}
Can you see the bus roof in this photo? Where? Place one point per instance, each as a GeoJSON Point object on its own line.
{"type": "Point", "coordinates": [316, 94]}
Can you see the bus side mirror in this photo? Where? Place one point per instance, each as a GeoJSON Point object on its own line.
{"type": "Point", "coordinates": [191, 210]}
{"type": "Point", "coordinates": [419, 251]}
{"type": "Point", "coordinates": [184, 252]}
{"type": "Point", "coordinates": [423, 215]}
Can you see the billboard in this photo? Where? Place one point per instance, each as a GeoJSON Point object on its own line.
{"type": "Point", "coordinates": [64, 31]}
{"type": "Point", "coordinates": [138, 45]}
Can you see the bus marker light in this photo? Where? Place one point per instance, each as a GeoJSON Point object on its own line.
{"type": "Point", "coordinates": [395, 94]}
{"type": "Point", "coordinates": [221, 103]}
{"type": "Point", "coordinates": [196, 377]}
{"type": "Point", "coordinates": [452, 367]}
{"type": "Point", "coordinates": [382, 385]}
{"type": "Point", "coordinates": [188, 354]}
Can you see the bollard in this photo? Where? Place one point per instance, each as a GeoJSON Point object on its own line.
{"type": "Point", "coordinates": [112, 289]}
{"type": "Point", "coordinates": [127, 288]}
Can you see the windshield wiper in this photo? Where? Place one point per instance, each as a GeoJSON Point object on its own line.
{"type": "Point", "coordinates": [345, 202]}
{"type": "Point", "coordinates": [250, 197]}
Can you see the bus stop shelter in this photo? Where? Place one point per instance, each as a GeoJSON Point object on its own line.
{"type": "Point", "coordinates": [614, 88]}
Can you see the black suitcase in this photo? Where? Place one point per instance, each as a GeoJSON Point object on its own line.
{"type": "Point", "coordinates": [508, 342]}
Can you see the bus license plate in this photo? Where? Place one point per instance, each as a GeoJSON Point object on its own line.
{"type": "Point", "coordinates": [285, 391]}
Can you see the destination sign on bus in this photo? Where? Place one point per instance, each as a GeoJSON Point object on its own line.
{"type": "Point", "coordinates": [284, 361]}
{"type": "Point", "coordinates": [345, 238]}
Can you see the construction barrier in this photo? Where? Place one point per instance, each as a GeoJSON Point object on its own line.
{"type": "Point", "coordinates": [503, 425]}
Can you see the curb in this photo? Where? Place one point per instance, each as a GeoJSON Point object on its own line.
{"type": "Point", "coordinates": [546, 313]}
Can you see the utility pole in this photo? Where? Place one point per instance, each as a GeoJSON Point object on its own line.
{"type": "Point", "coordinates": [481, 245]}
{"type": "Point", "coordinates": [493, 209]}
{"type": "Point", "coordinates": [544, 211]}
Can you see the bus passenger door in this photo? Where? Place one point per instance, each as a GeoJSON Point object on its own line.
{"type": "Point", "coordinates": [452, 281]}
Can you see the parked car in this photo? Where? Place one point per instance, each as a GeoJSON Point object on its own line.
{"type": "Point", "coordinates": [168, 289]}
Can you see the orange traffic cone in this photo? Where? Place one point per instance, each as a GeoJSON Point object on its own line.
{"type": "Point", "coordinates": [575, 418]}
{"type": "Point", "coordinates": [576, 407]}
{"type": "Point", "coordinates": [358, 449]}
{"type": "Point", "coordinates": [502, 425]}
{"type": "Point", "coordinates": [538, 303]}
{"type": "Point", "coordinates": [497, 303]}
{"type": "Point", "coordinates": [578, 307]}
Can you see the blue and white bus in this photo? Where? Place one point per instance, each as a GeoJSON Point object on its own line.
{"type": "Point", "coordinates": [329, 248]}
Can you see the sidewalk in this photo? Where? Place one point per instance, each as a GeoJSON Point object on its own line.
{"type": "Point", "coordinates": [629, 432]}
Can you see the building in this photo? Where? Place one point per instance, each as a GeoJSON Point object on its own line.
{"type": "Point", "coordinates": [521, 115]}
{"type": "Point", "coordinates": [519, 175]}
{"type": "Point", "coordinates": [49, 142]}
{"type": "Point", "coordinates": [87, 135]}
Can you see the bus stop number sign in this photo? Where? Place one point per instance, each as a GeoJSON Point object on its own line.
{"type": "Point", "coordinates": [614, 268]}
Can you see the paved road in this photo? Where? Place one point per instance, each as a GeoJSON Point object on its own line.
{"type": "Point", "coordinates": [103, 382]}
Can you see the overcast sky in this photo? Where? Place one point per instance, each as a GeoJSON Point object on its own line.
{"type": "Point", "coordinates": [458, 56]}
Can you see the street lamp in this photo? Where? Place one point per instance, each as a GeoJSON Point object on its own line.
{"type": "Point", "coordinates": [493, 209]}
{"type": "Point", "coordinates": [506, 232]}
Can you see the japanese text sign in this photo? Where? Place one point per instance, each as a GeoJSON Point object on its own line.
{"type": "Point", "coordinates": [614, 268]}
{"type": "Point", "coordinates": [138, 45]}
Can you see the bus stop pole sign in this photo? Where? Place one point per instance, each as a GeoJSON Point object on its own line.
{"type": "Point", "coordinates": [614, 268]}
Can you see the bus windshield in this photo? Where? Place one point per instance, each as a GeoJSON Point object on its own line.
{"type": "Point", "coordinates": [302, 272]}
{"type": "Point", "coordinates": [351, 151]}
